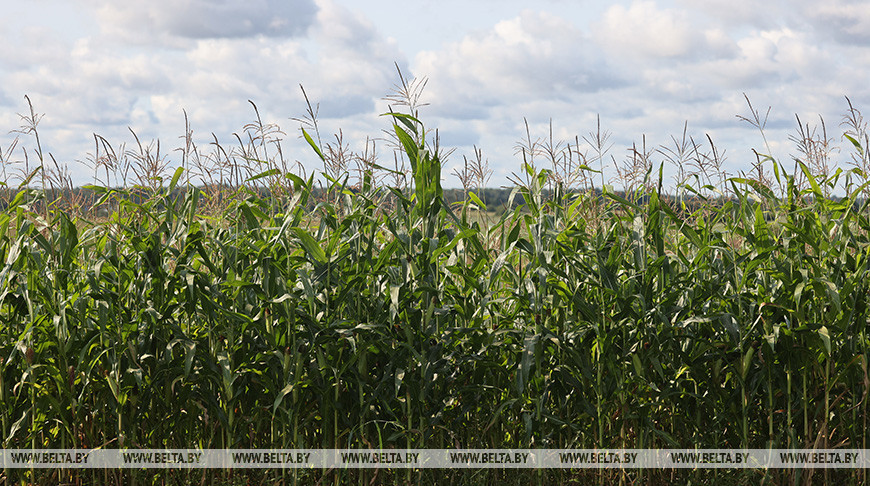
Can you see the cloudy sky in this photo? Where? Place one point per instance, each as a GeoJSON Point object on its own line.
{"type": "Point", "coordinates": [645, 67]}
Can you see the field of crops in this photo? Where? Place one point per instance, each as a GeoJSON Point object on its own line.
{"type": "Point", "coordinates": [374, 316]}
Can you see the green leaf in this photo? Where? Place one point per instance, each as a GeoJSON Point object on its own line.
{"type": "Point", "coordinates": [856, 143]}
{"type": "Point", "coordinates": [635, 361]}
{"type": "Point", "coordinates": [825, 336]}
{"type": "Point", "coordinates": [730, 326]}
{"type": "Point", "coordinates": [313, 145]}
{"type": "Point", "coordinates": [409, 145]}
{"type": "Point", "coordinates": [758, 186]}
{"type": "Point", "coordinates": [310, 245]}
{"type": "Point", "coordinates": [687, 230]}
{"type": "Point", "coordinates": [284, 391]}
{"type": "Point", "coordinates": [746, 362]}
{"type": "Point", "coordinates": [114, 386]}
{"type": "Point", "coordinates": [622, 200]}
{"type": "Point", "coordinates": [526, 362]}
{"type": "Point", "coordinates": [477, 200]}
{"type": "Point", "coordinates": [96, 189]}
{"type": "Point", "coordinates": [29, 177]}
{"type": "Point", "coordinates": [265, 173]}
{"type": "Point", "coordinates": [817, 190]}
{"type": "Point", "coordinates": [18, 425]}
{"type": "Point", "coordinates": [408, 120]}
{"type": "Point", "coordinates": [175, 178]}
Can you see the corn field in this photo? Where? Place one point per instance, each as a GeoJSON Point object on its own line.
{"type": "Point", "coordinates": [375, 316]}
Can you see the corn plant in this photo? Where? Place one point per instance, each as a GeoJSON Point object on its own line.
{"type": "Point", "coordinates": [267, 312]}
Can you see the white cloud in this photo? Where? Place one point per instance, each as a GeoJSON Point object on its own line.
{"type": "Point", "coordinates": [674, 66]}
{"type": "Point", "coordinates": [533, 56]}
{"type": "Point", "coordinates": [354, 64]}
{"type": "Point", "coordinates": [769, 58]}
{"type": "Point", "coordinates": [31, 46]}
{"type": "Point", "coordinates": [145, 22]}
{"type": "Point", "coordinates": [342, 31]}
{"type": "Point", "coordinates": [645, 31]}
{"type": "Point", "coordinates": [845, 20]}
{"type": "Point", "coordinates": [645, 66]}
{"type": "Point", "coordinates": [734, 14]}
{"type": "Point", "coordinates": [96, 84]}
{"type": "Point", "coordinates": [89, 83]}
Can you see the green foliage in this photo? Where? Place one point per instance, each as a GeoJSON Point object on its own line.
{"type": "Point", "coordinates": [294, 323]}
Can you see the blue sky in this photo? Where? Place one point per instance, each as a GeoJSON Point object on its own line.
{"type": "Point", "coordinates": [645, 67]}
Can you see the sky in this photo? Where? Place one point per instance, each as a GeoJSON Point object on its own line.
{"type": "Point", "coordinates": [495, 71]}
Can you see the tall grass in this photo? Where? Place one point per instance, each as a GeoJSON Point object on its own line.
{"type": "Point", "coordinates": [233, 305]}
